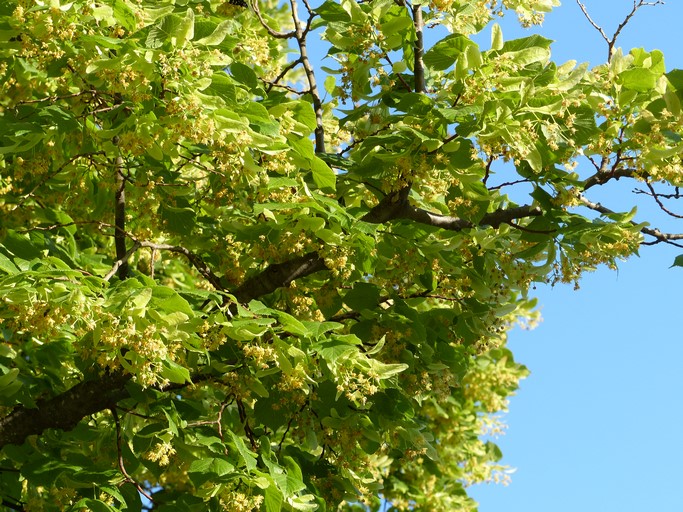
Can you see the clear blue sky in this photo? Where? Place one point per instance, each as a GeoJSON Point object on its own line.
{"type": "Point", "coordinates": [597, 425]}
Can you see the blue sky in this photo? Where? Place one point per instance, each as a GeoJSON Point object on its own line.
{"type": "Point", "coordinates": [596, 427]}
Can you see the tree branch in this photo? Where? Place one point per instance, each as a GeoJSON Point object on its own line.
{"type": "Point", "coordinates": [611, 42]}
{"type": "Point", "coordinates": [300, 34]}
{"type": "Point", "coordinates": [418, 64]}
{"type": "Point", "coordinates": [396, 206]}
{"type": "Point", "coordinates": [668, 238]}
{"type": "Point", "coordinates": [279, 275]}
{"type": "Point", "coordinates": [120, 219]}
{"type": "Point", "coordinates": [64, 411]}
{"type": "Point", "coordinates": [600, 177]}
{"type": "Point", "coordinates": [274, 33]}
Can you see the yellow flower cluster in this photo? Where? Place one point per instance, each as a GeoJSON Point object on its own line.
{"type": "Point", "coordinates": [490, 385]}
{"type": "Point", "coordinates": [260, 355]}
{"type": "Point", "coordinates": [237, 501]}
{"type": "Point", "coordinates": [161, 453]}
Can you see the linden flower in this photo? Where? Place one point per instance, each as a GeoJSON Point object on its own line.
{"type": "Point", "coordinates": [161, 453]}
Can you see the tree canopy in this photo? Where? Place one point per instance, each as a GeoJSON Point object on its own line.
{"type": "Point", "coordinates": [227, 286]}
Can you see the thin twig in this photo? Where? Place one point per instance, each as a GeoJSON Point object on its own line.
{"type": "Point", "coordinates": [269, 29]}
{"type": "Point", "coordinates": [611, 42]}
{"type": "Point", "coordinates": [667, 238]}
{"type": "Point", "coordinates": [655, 196]}
{"type": "Point", "coordinates": [123, 260]}
{"type": "Point", "coordinates": [282, 74]}
{"type": "Point", "coordinates": [122, 467]}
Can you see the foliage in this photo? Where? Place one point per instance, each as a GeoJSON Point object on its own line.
{"type": "Point", "coordinates": [224, 287]}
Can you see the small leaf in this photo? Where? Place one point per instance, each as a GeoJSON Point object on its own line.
{"type": "Point", "coordinates": [678, 261]}
{"type": "Point", "coordinates": [496, 37]}
{"type": "Point", "coordinates": [174, 372]}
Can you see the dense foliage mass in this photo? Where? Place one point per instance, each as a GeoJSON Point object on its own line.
{"type": "Point", "coordinates": [224, 286]}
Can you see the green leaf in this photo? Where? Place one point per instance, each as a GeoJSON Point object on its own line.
{"type": "Point", "coordinates": [323, 175]}
{"type": "Point", "coordinates": [638, 79]}
{"type": "Point", "coordinates": [244, 74]}
{"type": "Point", "coordinates": [178, 220]}
{"type": "Point", "coordinates": [496, 37]}
{"type": "Point", "coordinates": [6, 265]}
{"type": "Point", "coordinates": [678, 261]}
{"type": "Point", "coordinates": [246, 454]}
{"type": "Point", "coordinates": [216, 37]}
{"type": "Point", "coordinates": [535, 160]}
{"type": "Point", "coordinates": [174, 372]}
{"type": "Point", "coordinates": [444, 53]}
{"type": "Point", "coordinates": [273, 499]}
{"type": "Point", "coordinates": [207, 469]}
{"type": "Point", "coordinates": [332, 11]}
{"type": "Point", "coordinates": [163, 31]}
{"type": "Point", "coordinates": [362, 296]}
{"type": "Point", "coordinates": [124, 15]}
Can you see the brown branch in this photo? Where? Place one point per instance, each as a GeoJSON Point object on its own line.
{"type": "Point", "coordinates": [659, 236]}
{"type": "Point", "coordinates": [659, 202]}
{"type": "Point", "coordinates": [279, 275]}
{"type": "Point", "coordinates": [245, 423]}
{"type": "Point", "coordinates": [120, 218]}
{"type": "Point", "coordinates": [602, 177]}
{"type": "Point", "coordinates": [116, 267]}
{"type": "Point", "coordinates": [418, 63]}
{"type": "Point", "coordinates": [196, 261]}
{"type": "Point", "coordinates": [119, 452]}
{"type": "Point", "coordinates": [300, 34]}
{"type": "Point", "coordinates": [282, 74]}
{"type": "Point", "coordinates": [396, 206]}
{"type": "Point", "coordinates": [611, 42]}
{"type": "Point", "coordinates": [274, 33]}
{"type": "Point", "coordinates": [64, 411]}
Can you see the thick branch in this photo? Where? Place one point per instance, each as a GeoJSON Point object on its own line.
{"type": "Point", "coordinates": [63, 411]}
{"type": "Point", "coordinates": [418, 64]}
{"type": "Point", "coordinates": [120, 219]}
{"type": "Point", "coordinates": [396, 206]}
{"type": "Point", "coordinates": [279, 275]}
{"type": "Point", "coordinates": [301, 34]}
{"type": "Point", "coordinates": [600, 178]}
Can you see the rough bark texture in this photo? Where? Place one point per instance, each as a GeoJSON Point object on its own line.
{"type": "Point", "coordinates": [63, 411]}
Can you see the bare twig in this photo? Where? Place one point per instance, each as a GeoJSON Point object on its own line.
{"type": "Point", "coordinates": [281, 75]}
{"type": "Point", "coordinates": [612, 41]}
{"type": "Point", "coordinates": [122, 467]}
{"type": "Point", "coordinates": [274, 33]}
{"type": "Point", "coordinates": [657, 199]}
{"type": "Point", "coordinates": [509, 183]}
{"type": "Point", "coordinates": [119, 263]}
